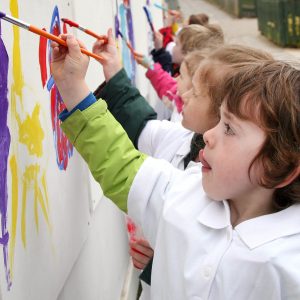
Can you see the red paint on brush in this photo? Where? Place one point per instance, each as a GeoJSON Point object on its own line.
{"type": "Point", "coordinates": [70, 22]}
{"type": "Point", "coordinates": [87, 31]}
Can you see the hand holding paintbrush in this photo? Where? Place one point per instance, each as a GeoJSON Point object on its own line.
{"type": "Point", "coordinates": [41, 32]}
{"type": "Point", "coordinates": [111, 63]}
{"type": "Point", "coordinates": [69, 67]}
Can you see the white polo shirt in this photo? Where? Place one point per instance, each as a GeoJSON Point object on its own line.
{"type": "Point", "coordinates": [198, 255]}
{"type": "Point", "coordinates": [166, 140]}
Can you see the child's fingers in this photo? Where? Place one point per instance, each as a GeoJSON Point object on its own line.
{"type": "Point", "coordinates": [98, 47]}
{"type": "Point", "coordinates": [58, 51]}
{"type": "Point", "coordinates": [73, 46]}
{"type": "Point", "coordinates": [138, 55]}
{"type": "Point", "coordinates": [139, 260]}
{"type": "Point", "coordinates": [81, 44]}
{"type": "Point", "coordinates": [141, 248]}
{"type": "Point", "coordinates": [110, 37]}
{"type": "Point", "coordinates": [139, 59]}
{"type": "Point", "coordinates": [138, 265]}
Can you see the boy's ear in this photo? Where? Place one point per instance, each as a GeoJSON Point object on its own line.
{"type": "Point", "coordinates": [292, 176]}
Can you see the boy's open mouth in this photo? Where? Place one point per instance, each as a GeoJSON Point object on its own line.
{"type": "Point", "coordinates": [204, 163]}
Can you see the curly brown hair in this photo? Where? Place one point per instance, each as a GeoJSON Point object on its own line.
{"type": "Point", "coordinates": [268, 94]}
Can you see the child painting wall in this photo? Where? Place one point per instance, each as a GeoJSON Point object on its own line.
{"type": "Point", "coordinates": [59, 238]}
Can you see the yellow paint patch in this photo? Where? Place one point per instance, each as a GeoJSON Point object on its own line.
{"type": "Point", "coordinates": [31, 133]}
{"type": "Point", "coordinates": [30, 179]}
{"type": "Point", "coordinates": [17, 64]}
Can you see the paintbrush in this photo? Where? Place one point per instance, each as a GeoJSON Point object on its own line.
{"type": "Point", "coordinates": [148, 15]}
{"type": "Point", "coordinates": [133, 52]}
{"type": "Point", "coordinates": [127, 43]}
{"type": "Point", "coordinates": [170, 11]}
{"type": "Point", "coordinates": [87, 31]}
{"type": "Point", "coordinates": [41, 32]}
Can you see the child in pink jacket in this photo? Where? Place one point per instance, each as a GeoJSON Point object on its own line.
{"type": "Point", "coordinates": [191, 37]}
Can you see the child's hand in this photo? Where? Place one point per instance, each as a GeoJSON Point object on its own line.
{"type": "Point", "coordinates": [111, 63]}
{"type": "Point", "coordinates": [69, 67]}
{"type": "Point", "coordinates": [144, 61]}
{"type": "Point", "coordinates": [141, 253]}
{"type": "Point", "coordinates": [158, 40]}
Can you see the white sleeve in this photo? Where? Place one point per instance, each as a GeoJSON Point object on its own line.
{"type": "Point", "coordinates": [157, 136]}
{"type": "Point", "coordinates": [148, 193]}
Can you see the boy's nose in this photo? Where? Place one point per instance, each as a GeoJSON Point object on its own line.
{"type": "Point", "coordinates": [208, 137]}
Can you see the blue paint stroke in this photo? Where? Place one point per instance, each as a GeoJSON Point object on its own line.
{"type": "Point", "coordinates": [125, 50]}
{"type": "Point", "coordinates": [129, 62]}
{"type": "Point", "coordinates": [4, 151]}
{"type": "Point", "coordinates": [131, 39]}
{"type": "Point", "coordinates": [63, 147]}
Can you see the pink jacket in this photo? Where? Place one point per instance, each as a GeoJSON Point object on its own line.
{"type": "Point", "coordinates": [164, 85]}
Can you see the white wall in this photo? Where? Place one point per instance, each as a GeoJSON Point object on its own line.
{"type": "Point", "coordinates": [81, 252]}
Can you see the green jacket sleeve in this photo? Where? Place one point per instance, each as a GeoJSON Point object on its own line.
{"type": "Point", "coordinates": [126, 104]}
{"type": "Point", "coordinates": [105, 146]}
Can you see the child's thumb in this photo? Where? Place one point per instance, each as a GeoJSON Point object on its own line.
{"type": "Point", "coordinates": [110, 36]}
{"type": "Point", "coordinates": [73, 45]}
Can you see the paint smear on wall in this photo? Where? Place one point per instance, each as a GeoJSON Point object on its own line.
{"type": "Point", "coordinates": [126, 27]}
{"type": "Point", "coordinates": [42, 59]}
{"type": "Point", "coordinates": [4, 151]}
{"type": "Point", "coordinates": [25, 129]}
{"type": "Point", "coordinates": [63, 147]}
{"type": "Point", "coordinates": [30, 178]}
{"type": "Point", "coordinates": [31, 133]}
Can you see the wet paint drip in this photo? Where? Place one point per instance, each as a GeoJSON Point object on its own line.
{"type": "Point", "coordinates": [63, 147]}
{"type": "Point", "coordinates": [4, 151]}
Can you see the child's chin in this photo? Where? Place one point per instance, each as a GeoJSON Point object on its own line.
{"type": "Point", "coordinates": [211, 195]}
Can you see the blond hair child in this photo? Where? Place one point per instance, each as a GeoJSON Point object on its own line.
{"type": "Point", "coordinates": [190, 38]}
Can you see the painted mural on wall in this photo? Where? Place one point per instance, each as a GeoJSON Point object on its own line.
{"type": "Point", "coordinates": [31, 161]}
{"type": "Point", "coordinates": [26, 130]}
{"type": "Point", "coordinates": [4, 146]}
{"type": "Point", "coordinates": [63, 147]}
{"type": "Point", "coordinates": [124, 24]}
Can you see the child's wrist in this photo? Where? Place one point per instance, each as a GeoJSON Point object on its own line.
{"type": "Point", "coordinates": [111, 71]}
{"type": "Point", "coordinates": [148, 63]}
{"type": "Point", "coordinates": [73, 93]}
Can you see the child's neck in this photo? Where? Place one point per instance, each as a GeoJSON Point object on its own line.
{"type": "Point", "coordinates": [251, 207]}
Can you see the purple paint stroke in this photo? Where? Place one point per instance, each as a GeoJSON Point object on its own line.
{"type": "Point", "coordinates": [131, 39]}
{"type": "Point", "coordinates": [117, 27]}
{"type": "Point", "coordinates": [4, 151]}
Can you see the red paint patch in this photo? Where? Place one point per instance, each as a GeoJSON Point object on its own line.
{"type": "Point", "coordinates": [43, 59]}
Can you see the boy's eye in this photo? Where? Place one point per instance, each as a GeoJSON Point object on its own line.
{"type": "Point", "coordinates": [228, 129]}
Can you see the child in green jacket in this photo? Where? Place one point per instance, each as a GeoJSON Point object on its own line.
{"type": "Point", "coordinates": [250, 169]}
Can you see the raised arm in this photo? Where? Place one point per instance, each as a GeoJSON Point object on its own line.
{"type": "Point", "coordinates": [124, 101]}
{"type": "Point", "coordinates": [96, 135]}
